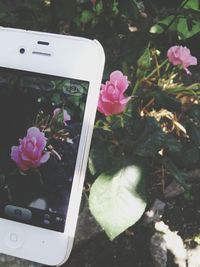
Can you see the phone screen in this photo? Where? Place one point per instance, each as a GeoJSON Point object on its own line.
{"type": "Point", "coordinates": [41, 120]}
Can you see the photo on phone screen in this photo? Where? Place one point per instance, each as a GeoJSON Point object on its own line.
{"type": "Point", "coordinates": [41, 120]}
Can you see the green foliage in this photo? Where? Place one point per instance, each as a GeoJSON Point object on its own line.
{"type": "Point", "coordinates": [100, 158]}
{"type": "Point", "coordinates": [179, 175]}
{"type": "Point", "coordinates": [192, 4]}
{"type": "Point", "coordinates": [187, 157]}
{"type": "Point", "coordinates": [185, 22]}
{"type": "Point", "coordinates": [164, 100]}
{"type": "Point", "coordinates": [193, 125]}
{"type": "Point", "coordinates": [151, 139]}
{"type": "Point", "coordinates": [122, 199]}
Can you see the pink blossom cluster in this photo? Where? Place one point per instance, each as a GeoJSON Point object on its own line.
{"type": "Point", "coordinates": [30, 153]}
{"type": "Point", "coordinates": [112, 100]}
{"type": "Point", "coordinates": [181, 55]}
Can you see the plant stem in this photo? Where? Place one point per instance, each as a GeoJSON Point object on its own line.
{"type": "Point", "coordinates": [135, 87]}
{"type": "Point", "coordinates": [156, 69]}
{"type": "Point", "coordinates": [156, 62]}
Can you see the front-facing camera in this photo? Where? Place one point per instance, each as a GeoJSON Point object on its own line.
{"type": "Point", "coordinates": [22, 50]}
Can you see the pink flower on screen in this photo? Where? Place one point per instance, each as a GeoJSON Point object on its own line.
{"type": "Point", "coordinates": [179, 55]}
{"type": "Point", "coordinates": [30, 152]}
{"type": "Point", "coordinates": [66, 116]}
{"type": "Point", "coordinates": [112, 100]}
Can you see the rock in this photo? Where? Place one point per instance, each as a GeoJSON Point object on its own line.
{"type": "Point", "coordinates": [165, 240]}
{"type": "Point", "coordinates": [194, 257]}
{"type": "Point", "coordinates": [9, 261]}
{"type": "Point", "coordinates": [158, 250]}
{"type": "Point", "coordinates": [87, 227]}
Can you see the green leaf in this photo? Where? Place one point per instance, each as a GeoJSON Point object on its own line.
{"type": "Point", "coordinates": [193, 125]}
{"type": "Point", "coordinates": [187, 157]}
{"type": "Point", "coordinates": [163, 100]}
{"type": "Point", "coordinates": [184, 31]}
{"type": "Point", "coordinates": [151, 140]}
{"type": "Point", "coordinates": [194, 113]}
{"type": "Point", "coordinates": [194, 133]}
{"type": "Point", "coordinates": [190, 155]}
{"type": "Point", "coordinates": [160, 25]}
{"type": "Point", "coordinates": [117, 199]}
{"type": "Point", "coordinates": [151, 145]}
{"type": "Point", "coordinates": [156, 29]}
{"type": "Point", "coordinates": [192, 4]}
{"type": "Point", "coordinates": [101, 157]}
{"type": "Point", "coordinates": [172, 144]}
{"type": "Point", "coordinates": [86, 16]}
{"type": "Point", "coordinates": [179, 175]}
{"type": "Point", "coordinates": [180, 25]}
{"type": "Point", "coordinates": [116, 121]}
{"type": "Point", "coordinates": [56, 98]}
{"type": "Point", "coordinates": [144, 62]}
{"type": "Point", "coordinates": [98, 8]}
{"type": "Point", "coordinates": [115, 9]}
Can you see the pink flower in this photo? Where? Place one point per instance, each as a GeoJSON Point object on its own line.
{"type": "Point", "coordinates": [30, 152]}
{"type": "Point", "coordinates": [112, 99]}
{"type": "Point", "coordinates": [179, 55]}
{"type": "Point", "coordinates": [66, 116]}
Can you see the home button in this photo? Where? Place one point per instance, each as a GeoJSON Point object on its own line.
{"type": "Point", "coordinates": [14, 239]}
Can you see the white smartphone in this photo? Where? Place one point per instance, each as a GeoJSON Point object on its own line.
{"type": "Point", "coordinates": [49, 86]}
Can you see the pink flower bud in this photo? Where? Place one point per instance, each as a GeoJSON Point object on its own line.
{"type": "Point", "coordinates": [30, 152]}
{"type": "Point", "coordinates": [179, 55]}
{"type": "Point", "coordinates": [112, 100]}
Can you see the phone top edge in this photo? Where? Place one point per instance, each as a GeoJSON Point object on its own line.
{"type": "Point", "coordinates": [49, 34]}
{"type": "Point", "coordinates": [89, 53]}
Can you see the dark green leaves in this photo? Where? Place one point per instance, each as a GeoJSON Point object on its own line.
{"type": "Point", "coordinates": [179, 175]}
{"type": "Point", "coordinates": [101, 157]}
{"type": "Point", "coordinates": [184, 22]}
{"type": "Point", "coordinates": [151, 140]}
{"type": "Point", "coordinates": [193, 125]}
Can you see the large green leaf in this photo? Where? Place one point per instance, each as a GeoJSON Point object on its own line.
{"type": "Point", "coordinates": [117, 199]}
{"type": "Point", "coordinates": [184, 31]}
{"type": "Point", "coordinates": [192, 4]}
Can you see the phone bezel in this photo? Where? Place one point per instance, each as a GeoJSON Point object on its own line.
{"type": "Point", "coordinates": [71, 57]}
